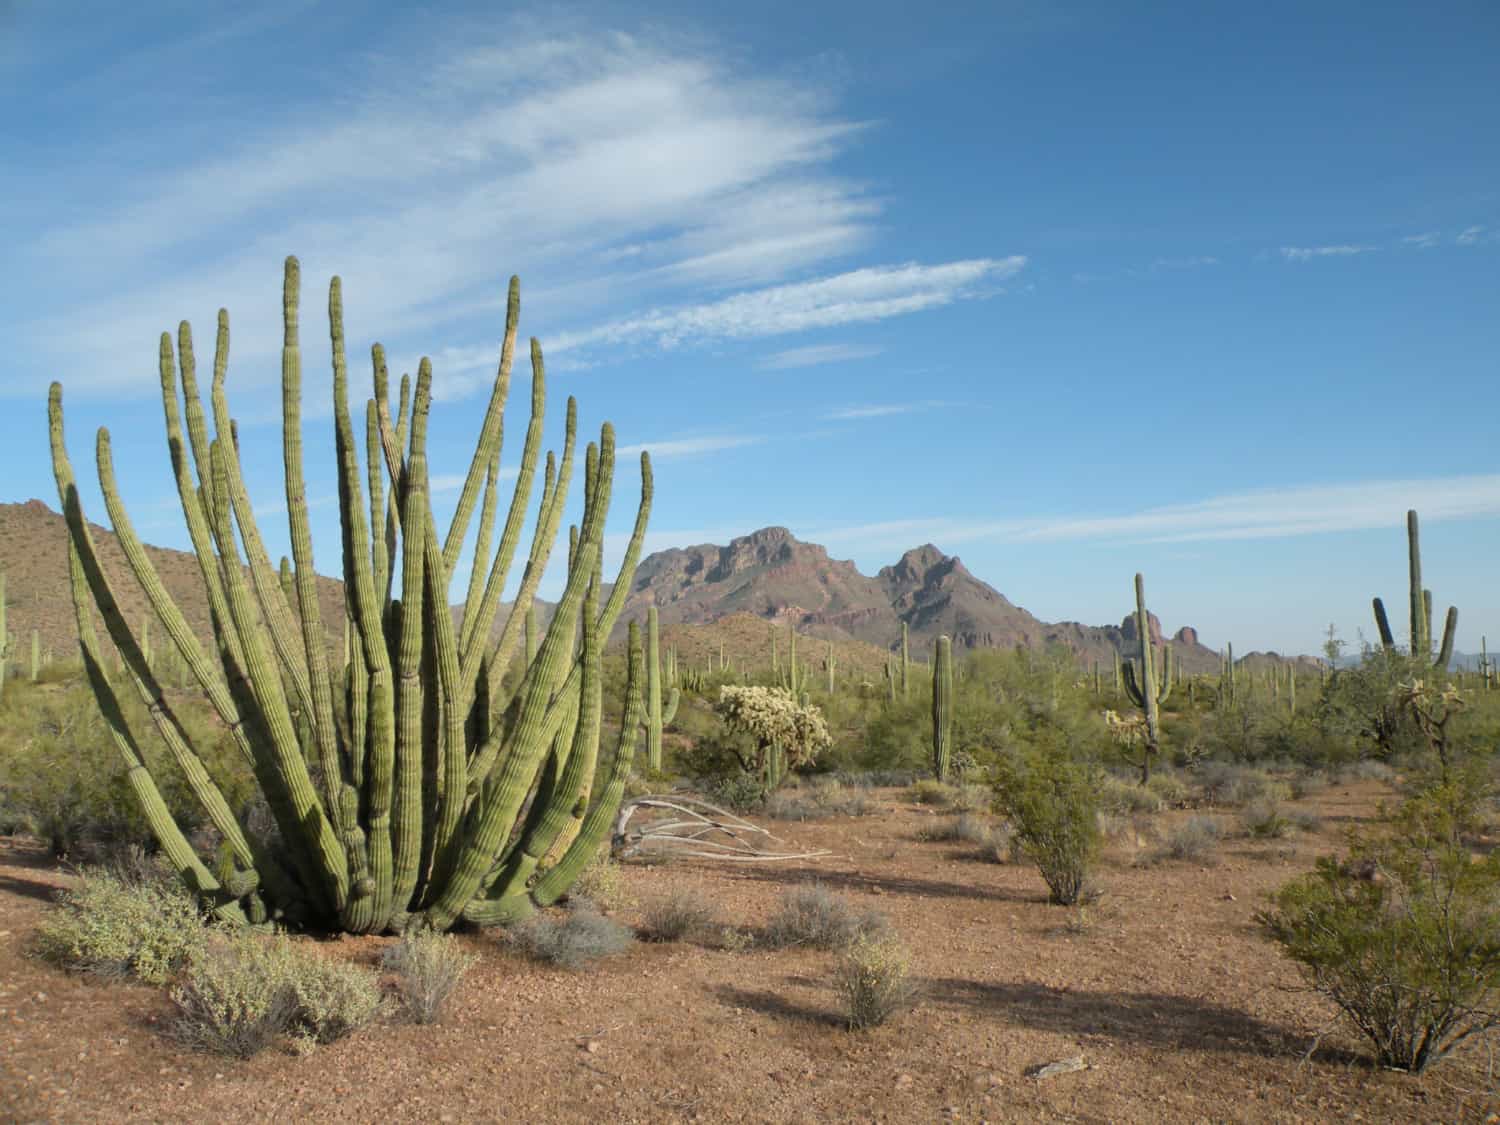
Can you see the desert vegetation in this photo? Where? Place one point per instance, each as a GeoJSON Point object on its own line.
{"type": "Point", "coordinates": [229, 802]}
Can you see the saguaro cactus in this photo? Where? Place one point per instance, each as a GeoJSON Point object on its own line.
{"type": "Point", "coordinates": [1420, 609]}
{"type": "Point", "coordinates": [942, 708]}
{"type": "Point", "coordinates": [412, 814]}
{"type": "Point", "coordinates": [657, 715]}
{"type": "Point", "coordinates": [905, 663]}
{"type": "Point", "coordinates": [1141, 687]}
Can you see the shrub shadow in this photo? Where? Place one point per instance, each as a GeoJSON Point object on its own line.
{"type": "Point", "coordinates": [30, 888]}
{"type": "Point", "coordinates": [890, 885]}
{"type": "Point", "coordinates": [773, 1004]}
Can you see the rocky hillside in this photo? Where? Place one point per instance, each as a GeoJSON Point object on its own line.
{"type": "Point", "coordinates": [772, 575]}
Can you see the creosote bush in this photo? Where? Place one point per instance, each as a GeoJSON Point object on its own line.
{"type": "Point", "coordinates": [246, 991]}
{"type": "Point", "coordinates": [580, 937]}
{"type": "Point", "coordinates": [873, 980]}
{"type": "Point", "coordinates": [1403, 935]}
{"type": "Point", "coordinates": [812, 915]}
{"type": "Point", "coordinates": [1053, 804]}
{"type": "Point", "coordinates": [428, 968]}
{"type": "Point", "coordinates": [112, 928]}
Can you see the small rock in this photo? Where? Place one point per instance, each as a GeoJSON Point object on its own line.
{"type": "Point", "coordinates": [591, 1046]}
{"type": "Point", "coordinates": [1061, 1066]}
{"type": "Point", "coordinates": [904, 1082]}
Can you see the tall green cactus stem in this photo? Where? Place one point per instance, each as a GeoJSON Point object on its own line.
{"type": "Point", "coordinates": [36, 655]}
{"type": "Point", "coordinates": [1141, 687]}
{"type": "Point", "coordinates": [905, 663]}
{"type": "Point", "coordinates": [828, 662]}
{"type": "Point", "coordinates": [657, 714]}
{"type": "Point", "coordinates": [4, 636]}
{"type": "Point", "coordinates": [1420, 609]}
{"type": "Point", "coordinates": [942, 708]}
{"type": "Point", "coordinates": [412, 814]}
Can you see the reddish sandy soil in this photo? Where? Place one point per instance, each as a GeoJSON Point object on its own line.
{"type": "Point", "coordinates": [1180, 1009]}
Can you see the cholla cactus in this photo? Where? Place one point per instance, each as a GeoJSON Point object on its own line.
{"type": "Point", "coordinates": [787, 734]}
{"type": "Point", "coordinates": [1432, 707]}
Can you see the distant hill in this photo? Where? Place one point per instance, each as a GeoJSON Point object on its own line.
{"type": "Point", "coordinates": [707, 596]}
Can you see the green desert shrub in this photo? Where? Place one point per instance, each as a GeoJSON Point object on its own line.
{"type": "Point", "coordinates": [1119, 796]}
{"type": "Point", "coordinates": [108, 927]}
{"type": "Point", "coordinates": [1169, 789]}
{"type": "Point", "coordinates": [428, 967]}
{"type": "Point", "coordinates": [812, 915]}
{"type": "Point", "coordinates": [1265, 820]}
{"type": "Point", "coordinates": [601, 883]}
{"type": "Point", "coordinates": [873, 980]}
{"type": "Point", "coordinates": [244, 992]}
{"type": "Point", "coordinates": [1053, 804]}
{"type": "Point", "coordinates": [1403, 935]}
{"type": "Point", "coordinates": [683, 913]}
{"type": "Point", "coordinates": [577, 939]}
{"type": "Point", "coordinates": [929, 791]}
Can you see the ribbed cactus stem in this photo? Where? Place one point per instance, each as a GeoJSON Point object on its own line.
{"type": "Point", "coordinates": [829, 662]}
{"type": "Point", "coordinates": [36, 655]}
{"type": "Point", "coordinates": [942, 708]}
{"type": "Point", "coordinates": [1420, 601]}
{"type": "Point", "coordinates": [657, 714]}
{"type": "Point", "coordinates": [905, 662]}
{"type": "Point", "coordinates": [1141, 687]}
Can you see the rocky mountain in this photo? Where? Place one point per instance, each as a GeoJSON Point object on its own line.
{"type": "Point", "coordinates": [775, 576]}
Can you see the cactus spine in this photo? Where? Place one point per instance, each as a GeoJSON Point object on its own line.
{"type": "Point", "coordinates": [942, 708]}
{"type": "Point", "coordinates": [1141, 687]}
{"type": "Point", "coordinates": [657, 715]}
{"type": "Point", "coordinates": [416, 792]}
{"type": "Point", "coordinates": [1420, 609]}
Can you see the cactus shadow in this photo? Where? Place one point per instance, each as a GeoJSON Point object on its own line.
{"type": "Point", "coordinates": [29, 888]}
{"type": "Point", "coordinates": [891, 885]}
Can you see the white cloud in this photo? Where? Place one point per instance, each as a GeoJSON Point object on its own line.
{"type": "Point", "coordinates": [1184, 263]}
{"type": "Point", "coordinates": [1274, 513]}
{"type": "Point", "coordinates": [1425, 241]}
{"type": "Point", "coordinates": [858, 297]}
{"type": "Point", "coordinates": [815, 355]}
{"type": "Point", "coordinates": [1308, 253]}
{"type": "Point", "coordinates": [855, 413]}
{"type": "Point", "coordinates": [688, 447]}
{"type": "Point", "coordinates": [1470, 236]}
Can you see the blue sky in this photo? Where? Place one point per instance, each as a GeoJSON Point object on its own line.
{"type": "Point", "coordinates": [1210, 291]}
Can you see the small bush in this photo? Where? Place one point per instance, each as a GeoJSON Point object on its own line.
{"type": "Point", "coordinates": [579, 938]}
{"type": "Point", "coordinates": [1053, 804]}
{"type": "Point", "coordinates": [930, 792]}
{"type": "Point", "coordinates": [602, 883]}
{"type": "Point", "coordinates": [1305, 785]}
{"type": "Point", "coordinates": [1264, 820]}
{"type": "Point", "coordinates": [873, 980]}
{"type": "Point", "coordinates": [109, 927]}
{"type": "Point", "coordinates": [1232, 786]}
{"type": "Point", "coordinates": [972, 798]}
{"type": "Point", "coordinates": [1169, 789]}
{"type": "Point", "coordinates": [429, 967]}
{"type": "Point", "coordinates": [681, 914]}
{"type": "Point", "coordinates": [1367, 770]}
{"type": "Point", "coordinates": [1194, 840]}
{"type": "Point", "coordinates": [1127, 797]}
{"type": "Point", "coordinates": [739, 792]}
{"type": "Point", "coordinates": [244, 992]}
{"type": "Point", "coordinates": [812, 915]}
{"type": "Point", "coordinates": [1404, 936]}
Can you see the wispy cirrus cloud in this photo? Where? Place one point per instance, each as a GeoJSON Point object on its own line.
{"type": "Point", "coordinates": [860, 296]}
{"type": "Point", "coordinates": [877, 410]}
{"type": "Point", "coordinates": [1470, 236]}
{"type": "Point", "coordinates": [1424, 241]}
{"type": "Point", "coordinates": [689, 447]}
{"type": "Point", "coordinates": [1309, 253]}
{"type": "Point", "coordinates": [816, 355]}
{"type": "Point", "coordinates": [1272, 513]}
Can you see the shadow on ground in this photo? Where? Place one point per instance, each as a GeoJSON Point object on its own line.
{"type": "Point", "coordinates": [889, 885]}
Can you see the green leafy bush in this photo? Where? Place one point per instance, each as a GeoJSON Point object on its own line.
{"type": "Point", "coordinates": [1053, 804]}
{"type": "Point", "coordinates": [244, 992]}
{"type": "Point", "coordinates": [113, 928]}
{"type": "Point", "coordinates": [428, 967]}
{"type": "Point", "coordinates": [1404, 935]}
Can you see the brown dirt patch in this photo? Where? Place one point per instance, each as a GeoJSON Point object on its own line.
{"type": "Point", "coordinates": [1181, 1010]}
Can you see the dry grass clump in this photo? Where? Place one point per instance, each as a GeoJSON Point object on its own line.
{"type": "Point", "coordinates": [1265, 820]}
{"type": "Point", "coordinates": [579, 938]}
{"type": "Point", "coordinates": [812, 915]}
{"type": "Point", "coordinates": [682, 914]}
{"type": "Point", "coordinates": [602, 883]}
{"type": "Point", "coordinates": [825, 797]}
{"type": "Point", "coordinates": [873, 980]}
{"type": "Point", "coordinates": [1367, 770]}
{"type": "Point", "coordinates": [428, 968]}
{"type": "Point", "coordinates": [1195, 840]}
{"type": "Point", "coordinates": [928, 791]}
{"type": "Point", "coordinates": [111, 927]}
{"type": "Point", "coordinates": [1232, 786]}
{"type": "Point", "coordinates": [1170, 790]}
{"type": "Point", "coordinates": [1120, 796]}
{"type": "Point", "coordinates": [244, 992]}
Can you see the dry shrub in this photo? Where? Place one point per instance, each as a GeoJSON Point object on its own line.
{"type": "Point", "coordinates": [577, 939]}
{"type": "Point", "coordinates": [812, 915]}
{"type": "Point", "coordinates": [601, 883]}
{"type": "Point", "coordinates": [682, 914]}
{"type": "Point", "coordinates": [1194, 840]}
{"type": "Point", "coordinates": [429, 967]}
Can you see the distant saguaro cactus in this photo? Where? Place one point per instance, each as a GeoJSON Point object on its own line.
{"type": "Point", "coordinates": [1141, 687]}
{"type": "Point", "coordinates": [657, 714]}
{"type": "Point", "coordinates": [942, 708]}
{"type": "Point", "coordinates": [398, 799]}
{"type": "Point", "coordinates": [1420, 609]}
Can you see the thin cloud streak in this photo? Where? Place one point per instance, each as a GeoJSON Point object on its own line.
{"type": "Point", "coordinates": [689, 447]}
{"type": "Point", "coordinates": [817, 355]}
{"type": "Point", "coordinates": [1308, 253]}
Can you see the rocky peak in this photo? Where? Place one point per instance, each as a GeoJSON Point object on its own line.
{"type": "Point", "coordinates": [1153, 625]}
{"type": "Point", "coordinates": [1187, 635]}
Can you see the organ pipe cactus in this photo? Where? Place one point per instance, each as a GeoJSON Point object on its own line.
{"type": "Point", "coordinates": [942, 708]}
{"type": "Point", "coordinates": [657, 715]}
{"type": "Point", "coordinates": [905, 663]}
{"type": "Point", "coordinates": [1141, 687]}
{"type": "Point", "coordinates": [1419, 608]}
{"type": "Point", "coordinates": [400, 801]}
